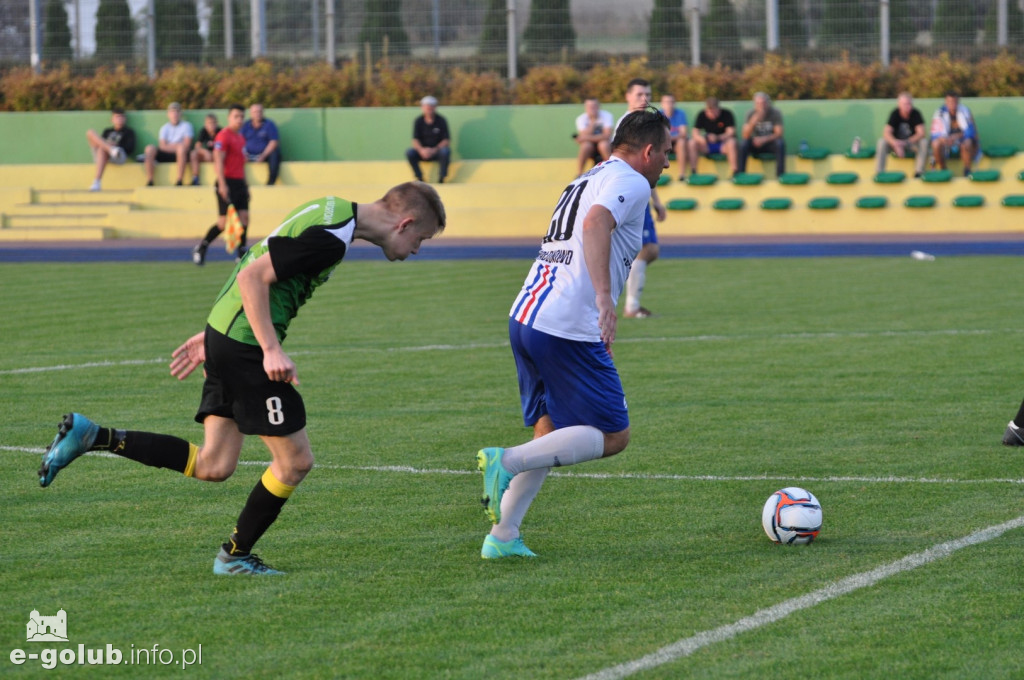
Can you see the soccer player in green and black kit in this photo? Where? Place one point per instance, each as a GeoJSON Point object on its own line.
{"type": "Point", "coordinates": [249, 386]}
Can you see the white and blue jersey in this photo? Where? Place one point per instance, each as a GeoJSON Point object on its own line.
{"type": "Point", "coordinates": [558, 296]}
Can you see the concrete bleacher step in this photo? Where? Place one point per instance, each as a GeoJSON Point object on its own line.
{"type": "Point", "coordinates": [41, 233]}
{"type": "Point", "coordinates": [68, 208]}
{"type": "Point", "coordinates": [56, 220]}
{"type": "Point", "coordinates": [80, 196]}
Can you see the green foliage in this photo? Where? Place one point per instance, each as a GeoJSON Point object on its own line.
{"type": "Point", "coordinates": [690, 83]}
{"type": "Point", "coordinates": [56, 34]}
{"type": "Point", "coordinates": [844, 22]}
{"type": "Point", "coordinates": [608, 81]}
{"type": "Point", "coordinates": [1014, 24]}
{"type": "Point", "coordinates": [241, 34]}
{"type": "Point", "coordinates": [792, 27]}
{"type": "Point", "coordinates": [933, 77]}
{"type": "Point", "coordinates": [668, 36]}
{"type": "Point", "coordinates": [494, 39]}
{"type": "Point", "coordinates": [383, 25]}
{"type": "Point", "coordinates": [477, 89]}
{"type": "Point", "coordinates": [720, 24]}
{"type": "Point", "coordinates": [549, 85]}
{"type": "Point", "coordinates": [780, 77]}
{"type": "Point", "coordinates": [901, 24]}
{"type": "Point", "coordinates": [405, 86]}
{"type": "Point", "coordinates": [193, 86]}
{"type": "Point", "coordinates": [177, 31]}
{"type": "Point", "coordinates": [315, 85]}
{"type": "Point", "coordinates": [1001, 76]}
{"type": "Point", "coordinates": [118, 86]}
{"type": "Point", "coordinates": [953, 26]}
{"type": "Point", "coordinates": [51, 90]}
{"type": "Point", "coordinates": [549, 29]}
{"type": "Point", "coordinates": [114, 30]}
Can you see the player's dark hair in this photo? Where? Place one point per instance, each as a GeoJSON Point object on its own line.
{"type": "Point", "coordinates": [117, 110]}
{"type": "Point", "coordinates": [420, 198]}
{"type": "Point", "coordinates": [640, 128]}
{"type": "Point", "coordinates": [238, 107]}
{"type": "Point", "coordinates": [637, 81]}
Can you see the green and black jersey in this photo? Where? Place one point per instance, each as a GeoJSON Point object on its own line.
{"type": "Point", "coordinates": [304, 250]}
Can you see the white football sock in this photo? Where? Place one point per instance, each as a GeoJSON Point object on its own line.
{"type": "Point", "coordinates": [635, 285]}
{"type": "Point", "coordinates": [567, 446]}
{"type": "Point", "coordinates": [516, 501]}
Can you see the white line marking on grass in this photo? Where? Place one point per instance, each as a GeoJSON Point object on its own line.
{"type": "Point", "coordinates": [610, 476]}
{"type": "Point", "coordinates": [687, 646]}
{"type": "Point", "coordinates": [91, 364]}
{"type": "Point", "coordinates": [503, 345]}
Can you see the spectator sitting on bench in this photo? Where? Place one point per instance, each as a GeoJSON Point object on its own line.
{"type": "Point", "coordinates": [262, 143]}
{"type": "Point", "coordinates": [593, 133]}
{"type": "Point", "coordinates": [953, 132]}
{"type": "Point", "coordinates": [714, 131]}
{"type": "Point", "coordinates": [762, 133]}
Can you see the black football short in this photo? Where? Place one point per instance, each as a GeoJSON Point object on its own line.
{"type": "Point", "coordinates": [238, 388]}
{"type": "Point", "coordinates": [238, 195]}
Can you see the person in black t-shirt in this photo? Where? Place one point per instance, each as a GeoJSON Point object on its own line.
{"type": "Point", "coordinates": [714, 131]}
{"type": "Point", "coordinates": [430, 140]}
{"type": "Point", "coordinates": [903, 135]}
{"type": "Point", "coordinates": [202, 150]}
{"type": "Point", "coordinates": [114, 145]}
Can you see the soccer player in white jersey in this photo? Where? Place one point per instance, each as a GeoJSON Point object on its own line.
{"type": "Point", "coordinates": [562, 325]}
{"type": "Point", "coordinates": [638, 98]}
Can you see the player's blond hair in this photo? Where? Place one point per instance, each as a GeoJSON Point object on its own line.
{"type": "Point", "coordinates": [420, 199]}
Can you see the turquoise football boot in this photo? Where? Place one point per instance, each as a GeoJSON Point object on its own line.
{"type": "Point", "coordinates": [496, 480]}
{"type": "Point", "coordinates": [494, 549]}
{"type": "Point", "coordinates": [241, 565]}
{"type": "Point", "coordinates": [75, 435]}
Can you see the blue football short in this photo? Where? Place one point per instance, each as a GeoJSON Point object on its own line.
{"type": "Point", "coordinates": [714, 147]}
{"type": "Point", "coordinates": [649, 234]}
{"type": "Point", "coordinates": [573, 382]}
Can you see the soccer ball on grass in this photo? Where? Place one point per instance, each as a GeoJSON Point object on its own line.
{"type": "Point", "coordinates": [791, 516]}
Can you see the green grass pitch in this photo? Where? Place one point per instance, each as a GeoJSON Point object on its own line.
{"type": "Point", "coordinates": [881, 384]}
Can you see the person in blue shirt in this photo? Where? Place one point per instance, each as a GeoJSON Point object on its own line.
{"type": "Point", "coordinates": [262, 144]}
{"type": "Point", "coordinates": [677, 119]}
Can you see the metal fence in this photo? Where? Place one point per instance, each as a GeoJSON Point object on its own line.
{"type": "Point", "coordinates": [475, 34]}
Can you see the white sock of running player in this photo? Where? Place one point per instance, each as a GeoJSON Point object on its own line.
{"type": "Point", "coordinates": [516, 501]}
{"type": "Point", "coordinates": [635, 285]}
{"type": "Point", "coordinates": [566, 446]}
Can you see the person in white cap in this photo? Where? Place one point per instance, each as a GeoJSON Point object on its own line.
{"type": "Point", "coordinates": [430, 141]}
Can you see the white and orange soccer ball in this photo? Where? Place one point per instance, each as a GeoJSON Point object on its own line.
{"type": "Point", "coordinates": [792, 516]}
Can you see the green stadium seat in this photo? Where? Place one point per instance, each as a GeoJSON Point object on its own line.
{"type": "Point", "coordinates": [717, 156]}
{"type": "Point", "coordinates": [699, 180]}
{"type": "Point", "coordinates": [863, 153]}
{"type": "Point", "coordinates": [970, 201]}
{"type": "Point", "coordinates": [892, 177]}
{"type": "Point", "coordinates": [776, 203]}
{"type": "Point", "coordinates": [663, 180]}
{"type": "Point", "coordinates": [920, 202]}
{"type": "Point", "coordinates": [1020, 175]}
{"type": "Point", "coordinates": [842, 178]}
{"type": "Point", "coordinates": [747, 179]}
{"type": "Point", "coordinates": [728, 204]}
{"type": "Point", "coordinates": [764, 155]}
{"type": "Point", "coordinates": [1000, 151]}
{"type": "Point", "coordinates": [937, 176]}
{"type": "Point", "coordinates": [823, 203]}
{"type": "Point", "coordinates": [1013, 201]}
{"type": "Point", "coordinates": [794, 178]}
{"type": "Point", "coordinates": [872, 202]}
{"type": "Point", "coordinates": [985, 176]}
{"type": "Point", "coordinates": [682, 204]}
{"type": "Point", "coordinates": [813, 154]}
